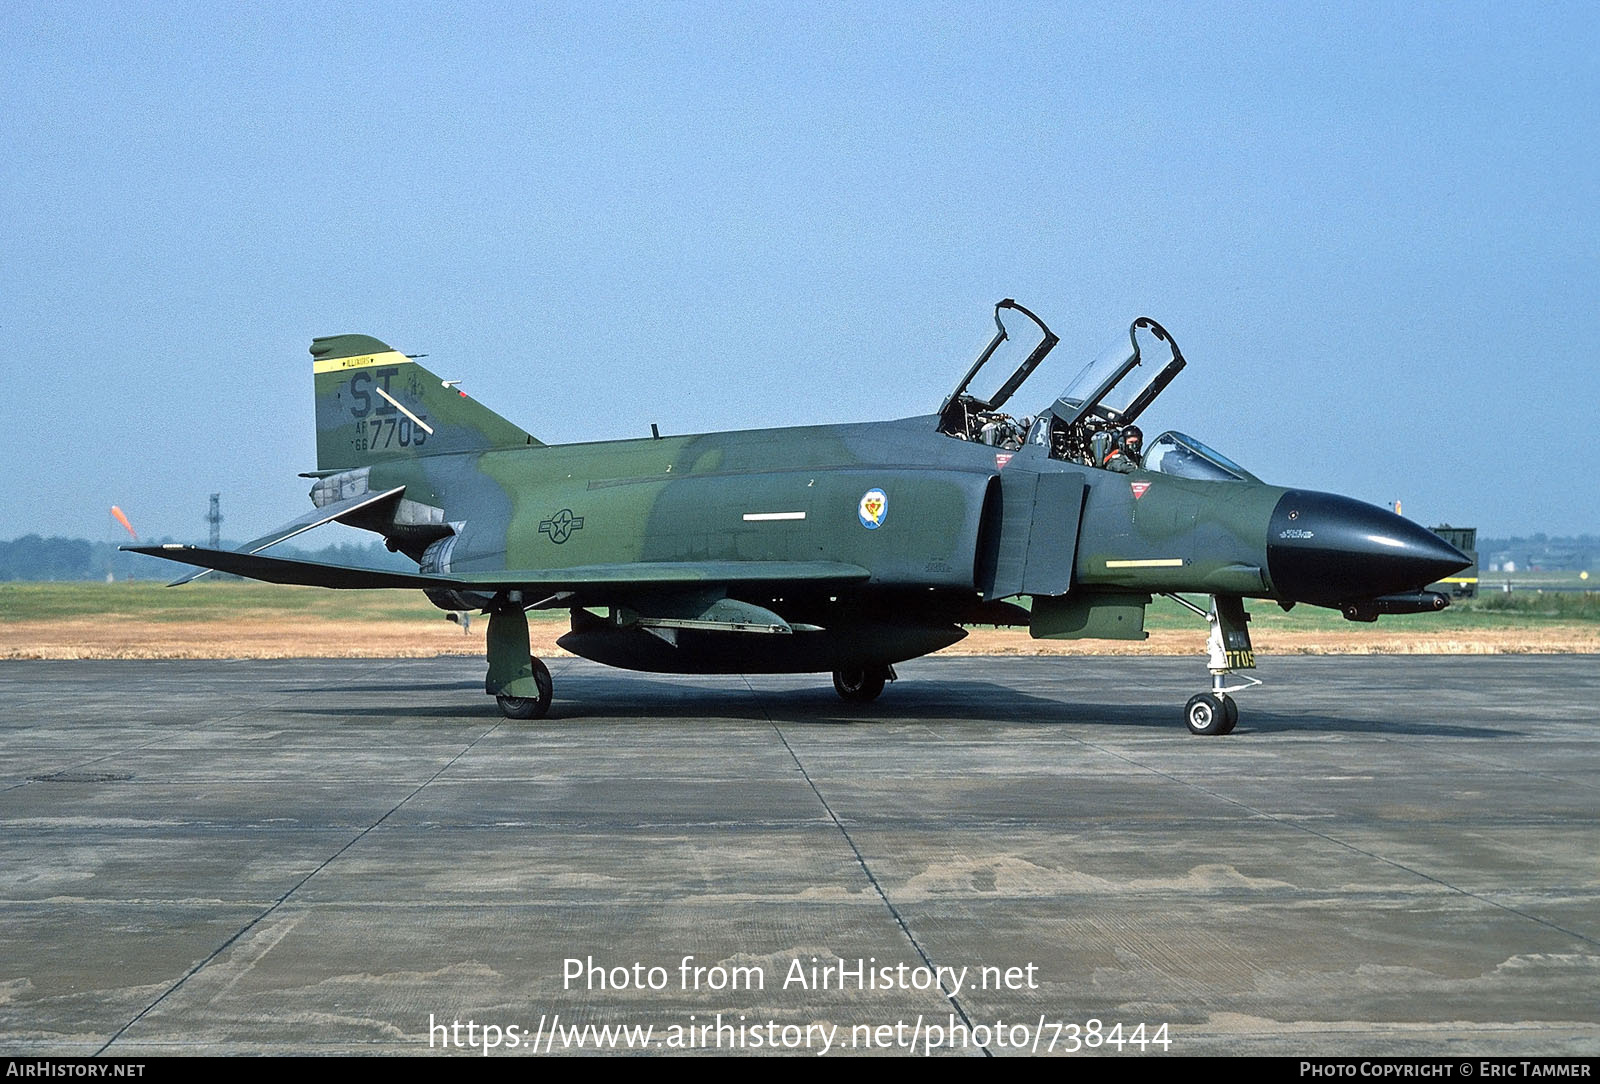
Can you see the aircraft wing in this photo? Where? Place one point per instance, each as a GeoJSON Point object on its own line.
{"type": "Point", "coordinates": [315, 518]}
{"type": "Point", "coordinates": [634, 576]}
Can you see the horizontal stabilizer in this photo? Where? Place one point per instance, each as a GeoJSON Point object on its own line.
{"type": "Point", "coordinates": [257, 566]}
{"type": "Point", "coordinates": [315, 518]}
{"type": "Point", "coordinates": [641, 575]}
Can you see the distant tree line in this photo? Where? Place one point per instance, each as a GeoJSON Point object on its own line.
{"type": "Point", "coordinates": [1570, 553]}
{"type": "Point", "coordinates": [34, 558]}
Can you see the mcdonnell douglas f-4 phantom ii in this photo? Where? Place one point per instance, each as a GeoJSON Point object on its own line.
{"type": "Point", "coordinates": [843, 548]}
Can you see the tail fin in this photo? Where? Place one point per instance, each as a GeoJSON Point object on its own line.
{"type": "Point", "coordinates": [374, 403]}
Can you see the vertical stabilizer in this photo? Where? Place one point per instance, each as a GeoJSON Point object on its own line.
{"type": "Point", "coordinates": [374, 403]}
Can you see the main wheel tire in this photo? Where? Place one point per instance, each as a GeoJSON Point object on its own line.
{"type": "Point", "coordinates": [520, 707]}
{"type": "Point", "coordinates": [860, 686]}
{"type": "Point", "coordinates": [529, 707]}
{"type": "Point", "coordinates": [547, 687]}
{"type": "Point", "coordinates": [1206, 714]}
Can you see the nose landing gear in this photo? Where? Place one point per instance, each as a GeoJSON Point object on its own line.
{"type": "Point", "coordinates": [1227, 649]}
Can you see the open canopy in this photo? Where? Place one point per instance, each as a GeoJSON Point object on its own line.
{"type": "Point", "coordinates": [1116, 386]}
{"type": "Point", "coordinates": [1085, 420]}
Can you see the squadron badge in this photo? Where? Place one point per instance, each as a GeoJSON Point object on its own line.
{"type": "Point", "coordinates": [873, 509]}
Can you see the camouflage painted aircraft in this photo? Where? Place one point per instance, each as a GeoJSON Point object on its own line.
{"type": "Point", "coordinates": [843, 548]}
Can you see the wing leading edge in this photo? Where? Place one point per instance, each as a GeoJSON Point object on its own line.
{"type": "Point", "coordinates": [641, 575]}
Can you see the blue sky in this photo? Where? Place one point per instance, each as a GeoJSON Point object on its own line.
{"type": "Point", "coordinates": [1373, 230]}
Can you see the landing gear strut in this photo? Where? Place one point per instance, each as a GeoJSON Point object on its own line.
{"type": "Point", "coordinates": [519, 682]}
{"type": "Point", "coordinates": [1227, 649]}
{"type": "Point", "coordinates": [862, 685]}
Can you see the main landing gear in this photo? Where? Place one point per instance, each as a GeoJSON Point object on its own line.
{"type": "Point", "coordinates": [1227, 649]}
{"type": "Point", "coordinates": [519, 682]}
{"type": "Point", "coordinates": [530, 707]}
{"type": "Point", "coordinates": [861, 685]}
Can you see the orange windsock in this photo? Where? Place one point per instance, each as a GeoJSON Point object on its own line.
{"type": "Point", "coordinates": [122, 519]}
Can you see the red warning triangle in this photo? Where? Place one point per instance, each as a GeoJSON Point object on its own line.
{"type": "Point", "coordinates": [1138, 488]}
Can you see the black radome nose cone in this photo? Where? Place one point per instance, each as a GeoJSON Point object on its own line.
{"type": "Point", "coordinates": [1326, 549]}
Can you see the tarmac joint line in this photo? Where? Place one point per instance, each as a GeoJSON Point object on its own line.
{"type": "Point", "coordinates": [281, 900]}
{"type": "Point", "coordinates": [872, 879]}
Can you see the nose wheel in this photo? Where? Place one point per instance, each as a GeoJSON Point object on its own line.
{"type": "Point", "coordinates": [1211, 714]}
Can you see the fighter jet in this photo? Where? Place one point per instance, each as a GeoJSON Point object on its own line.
{"type": "Point", "coordinates": [842, 548]}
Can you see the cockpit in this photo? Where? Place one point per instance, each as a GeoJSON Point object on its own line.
{"type": "Point", "coordinates": [1181, 455]}
{"type": "Point", "coordinates": [1087, 423]}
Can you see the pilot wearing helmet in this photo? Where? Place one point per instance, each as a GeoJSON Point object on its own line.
{"type": "Point", "coordinates": [1126, 455]}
